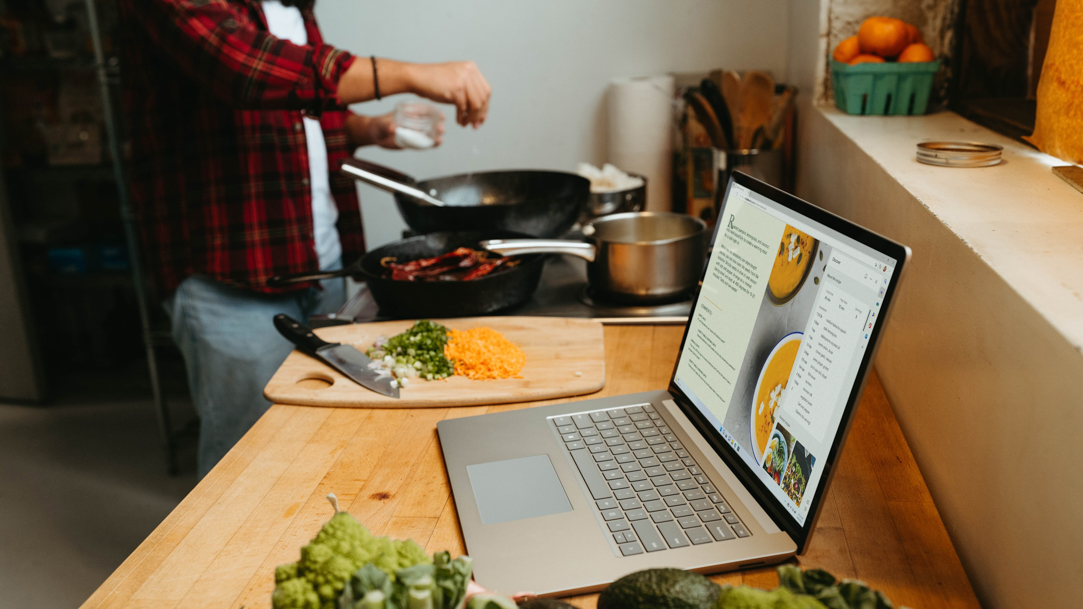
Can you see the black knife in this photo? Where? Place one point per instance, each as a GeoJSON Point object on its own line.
{"type": "Point", "coordinates": [344, 358]}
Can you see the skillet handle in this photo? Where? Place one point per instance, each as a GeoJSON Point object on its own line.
{"type": "Point", "coordinates": [281, 281]}
{"type": "Point", "coordinates": [386, 179]}
{"type": "Point", "coordinates": [517, 247]}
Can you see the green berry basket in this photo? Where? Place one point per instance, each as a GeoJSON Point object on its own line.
{"type": "Point", "coordinates": [883, 88]}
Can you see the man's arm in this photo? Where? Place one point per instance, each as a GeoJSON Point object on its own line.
{"type": "Point", "coordinates": [216, 44]}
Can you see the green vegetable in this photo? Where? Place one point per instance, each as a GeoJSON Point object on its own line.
{"type": "Point", "coordinates": [490, 601]}
{"type": "Point", "coordinates": [660, 589]}
{"type": "Point", "coordinates": [418, 351]}
{"type": "Point", "coordinates": [452, 577]}
{"type": "Point", "coordinates": [439, 585]}
{"type": "Point", "coordinates": [367, 588]}
{"type": "Point", "coordinates": [743, 597]}
{"type": "Point", "coordinates": [341, 547]}
{"type": "Point", "coordinates": [295, 594]}
{"type": "Point", "coordinates": [829, 592]}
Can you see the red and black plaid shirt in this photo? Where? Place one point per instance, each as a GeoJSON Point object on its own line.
{"type": "Point", "coordinates": [219, 173]}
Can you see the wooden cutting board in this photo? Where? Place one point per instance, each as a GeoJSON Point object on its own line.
{"type": "Point", "coordinates": [564, 357]}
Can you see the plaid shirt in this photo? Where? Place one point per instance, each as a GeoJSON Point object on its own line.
{"type": "Point", "coordinates": [219, 172]}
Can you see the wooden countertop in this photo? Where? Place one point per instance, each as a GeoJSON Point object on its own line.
{"type": "Point", "coordinates": [265, 500]}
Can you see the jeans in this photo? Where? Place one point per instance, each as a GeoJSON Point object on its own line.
{"type": "Point", "coordinates": [231, 350]}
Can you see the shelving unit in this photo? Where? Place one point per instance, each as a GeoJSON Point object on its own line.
{"type": "Point", "coordinates": [36, 238]}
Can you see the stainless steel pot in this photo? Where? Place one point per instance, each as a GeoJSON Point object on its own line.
{"type": "Point", "coordinates": [637, 258]}
{"type": "Point", "coordinates": [616, 201]}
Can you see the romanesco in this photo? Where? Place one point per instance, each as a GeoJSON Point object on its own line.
{"type": "Point", "coordinates": [295, 594]}
{"type": "Point", "coordinates": [341, 547]}
{"type": "Point", "coordinates": [284, 572]}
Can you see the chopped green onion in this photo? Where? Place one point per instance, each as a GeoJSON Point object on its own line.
{"type": "Point", "coordinates": [418, 351]}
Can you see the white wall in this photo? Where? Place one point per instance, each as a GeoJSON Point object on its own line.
{"type": "Point", "coordinates": [971, 360]}
{"type": "Point", "coordinates": [549, 63]}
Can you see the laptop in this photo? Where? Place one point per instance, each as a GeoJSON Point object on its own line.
{"type": "Point", "coordinates": [725, 470]}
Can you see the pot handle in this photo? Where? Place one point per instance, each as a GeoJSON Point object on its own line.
{"type": "Point", "coordinates": [517, 247]}
{"type": "Point", "coordinates": [386, 179]}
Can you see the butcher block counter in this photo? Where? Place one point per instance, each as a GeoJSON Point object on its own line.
{"type": "Point", "coordinates": [266, 499]}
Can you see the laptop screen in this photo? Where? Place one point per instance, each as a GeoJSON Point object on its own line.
{"type": "Point", "coordinates": [777, 338]}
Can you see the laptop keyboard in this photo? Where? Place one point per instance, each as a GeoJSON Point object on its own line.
{"type": "Point", "coordinates": [647, 488]}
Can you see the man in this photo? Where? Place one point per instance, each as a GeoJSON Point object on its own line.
{"type": "Point", "coordinates": [237, 117]}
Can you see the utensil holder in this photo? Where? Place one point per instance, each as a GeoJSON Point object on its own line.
{"type": "Point", "coordinates": [763, 164]}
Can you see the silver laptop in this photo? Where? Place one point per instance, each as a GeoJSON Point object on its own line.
{"type": "Point", "coordinates": [725, 470]}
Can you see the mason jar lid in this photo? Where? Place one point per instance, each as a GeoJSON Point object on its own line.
{"type": "Point", "coordinates": [959, 154]}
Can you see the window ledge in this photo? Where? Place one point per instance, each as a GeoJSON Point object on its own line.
{"type": "Point", "coordinates": [1020, 218]}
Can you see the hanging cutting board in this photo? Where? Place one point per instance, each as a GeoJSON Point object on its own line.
{"type": "Point", "coordinates": [564, 357]}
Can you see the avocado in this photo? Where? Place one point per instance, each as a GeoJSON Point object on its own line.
{"type": "Point", "coordinates": [660, 589]}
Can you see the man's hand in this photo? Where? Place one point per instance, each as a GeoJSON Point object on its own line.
{"type": "Point", "coordinates": [379, 131]}
{"type": "Point", "coordinates": [458, 82]}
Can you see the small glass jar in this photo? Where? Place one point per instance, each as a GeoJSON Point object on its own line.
{"type": "Point", "coordinates": [419, 120]}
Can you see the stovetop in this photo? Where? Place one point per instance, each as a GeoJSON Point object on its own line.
{"type": "Point", "coordinates": [562, 292]}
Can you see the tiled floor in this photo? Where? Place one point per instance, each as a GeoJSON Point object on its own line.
{"type": "Point", "coordinates": [82, 483]}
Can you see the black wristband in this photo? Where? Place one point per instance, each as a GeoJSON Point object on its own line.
{"type": "Point", "coordinates": [375, 79]}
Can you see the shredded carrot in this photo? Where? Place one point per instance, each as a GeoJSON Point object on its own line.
{"type": "Point", "coordinates": [484, 354]}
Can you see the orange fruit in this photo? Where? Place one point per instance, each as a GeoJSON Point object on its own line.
{"type": "Point", "coordinates": [917, 52]}
{"type": "Point", "coordinates": [866, 58]}
{"type": "Point", "coordinates": [883, 36]}
{"type": "Point", "coordinates": [847, 50]}
{"type": "Point", "coordinates": [913, 34]}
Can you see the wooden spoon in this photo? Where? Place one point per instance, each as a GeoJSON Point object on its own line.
{"type": "Point", "coordinates": [757, 101]}
{"type": "Point", "coordinates": [709, 119]}
{"type": "Point", "coordinates": [781, 107]}
{"type": "Point", "coordinates": [731, 91]}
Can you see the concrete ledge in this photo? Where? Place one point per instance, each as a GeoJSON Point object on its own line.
{"type": "Point", "coordinates": [983, 356]}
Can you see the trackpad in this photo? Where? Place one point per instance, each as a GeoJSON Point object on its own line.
{"type": "Point", "coordinates": [516, 489]}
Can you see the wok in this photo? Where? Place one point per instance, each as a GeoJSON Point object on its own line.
{"type": "Point", "coordinates": [504, 288]}
{"type": "Point", "coordinates": [536, 203]}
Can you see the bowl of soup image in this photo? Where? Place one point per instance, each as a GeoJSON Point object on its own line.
{"type": "Point", "coordinates": [770, 389]}
{"type": "Point", "coordinates": [793, 260]}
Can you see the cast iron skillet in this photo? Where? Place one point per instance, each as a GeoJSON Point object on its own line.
{"type": "Point", "coordinates": [537, 203]}
{"type": "Point", "coordinates": [504, 288]}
